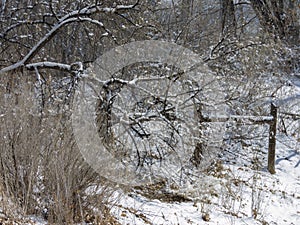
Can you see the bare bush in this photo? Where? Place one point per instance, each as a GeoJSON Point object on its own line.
{"type": "Point", "coordinates": [42, 171]}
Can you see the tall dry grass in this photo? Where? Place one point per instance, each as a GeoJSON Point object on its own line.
{"type": "Point", "coordinates": [41, 170]}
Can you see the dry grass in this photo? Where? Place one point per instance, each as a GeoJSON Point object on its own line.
{"type": "Point", "coordinates": [41, 170]}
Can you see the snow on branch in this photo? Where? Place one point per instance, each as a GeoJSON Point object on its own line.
{"type": "Point", "coordinates": [74, 67]}
{"type": "Point", "coordinates": [253, 119]}
{"type": "Point", "coordinates": [293, 116]}
{"type": "Point", "coordinates": [38, 46]}
{"type": "Point", "coordinates": [52, 65]}
{"type": "Point", "coordinates": [18, 24]}
{"type": "Point", "coordinates": [74, 16]}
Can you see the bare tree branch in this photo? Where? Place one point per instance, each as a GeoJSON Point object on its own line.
{"type": "Point", "coordinates": [74, 16]}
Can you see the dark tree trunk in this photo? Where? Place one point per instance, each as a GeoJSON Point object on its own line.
{"type": "Point", "coordinates": [272, 140]}
{"type": "Point", "coordinates": [186, 7]}
{"type": "Point", "coordinates": [185, 14]}
{"type": "Point", "coordinates": [228, 20]}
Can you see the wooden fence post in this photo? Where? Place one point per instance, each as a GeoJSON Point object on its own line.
{"type": "Point", "coordinates": [272, 140]}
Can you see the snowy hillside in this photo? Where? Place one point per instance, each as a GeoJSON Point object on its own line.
{"type": "Point", "coordinates": [236, 195]}
{"type": "Point", "coordinates": [231, 194]}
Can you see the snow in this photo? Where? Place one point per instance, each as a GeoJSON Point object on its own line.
{"type": "Point", "coordinates": [295, 80]}
{"type": "Point", "coordinates": [238, 195]}
{"type": "Point", "coordinates": [275, 198]}
{"type": "Point", "coordinates": [49, 65]}
{"type": "Point", "coordinates": [74, 16]}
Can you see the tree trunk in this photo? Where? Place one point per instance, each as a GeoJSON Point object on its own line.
{"type": "Point", "coordinates": [185, 14]}
{"type": "Point", "coordinates": [186, 6]}
{"type": "Point", "coordinates": [228, 20]}
{"type": "Point", "coordinates": [293, 29]}
{"type": "Point", "coordinates": [278, 18]}
{"type": "Point", "coordinates": [272, 140]}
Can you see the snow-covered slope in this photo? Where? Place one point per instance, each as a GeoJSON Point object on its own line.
{"type": "Point", "coordinates": [235, 195]}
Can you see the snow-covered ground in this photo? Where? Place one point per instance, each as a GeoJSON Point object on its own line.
{"type": "Point", "coordinates": [233, 194]}
{"type": "Point", "coordinates": [236, 195]}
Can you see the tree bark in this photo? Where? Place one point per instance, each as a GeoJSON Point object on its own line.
{"type": "Point", "coordinates": [228, 20]}
{"type": "Point", "coordinates": [272, 140]}
{"type": "Point", "coordinates": [186, 6]}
